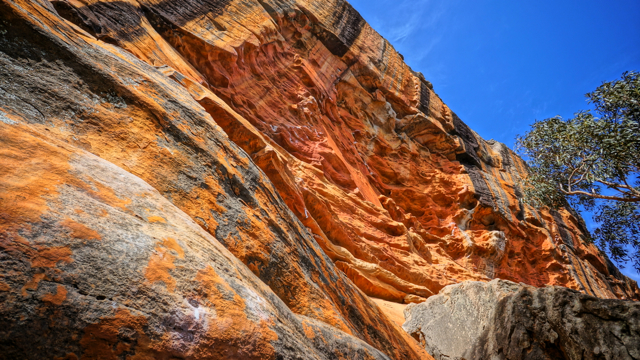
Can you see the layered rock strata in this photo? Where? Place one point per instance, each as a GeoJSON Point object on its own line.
{"type": "Point", "coordinates": [117, 192]}
{"type": "Point", "coordinates": [293, 135]}
{"type": "Point", "coordinates": [504, 320]}
{"type": "Point", "coordinates": [400, 193]}
{"type": "Point", "coordinates": [98, 265]}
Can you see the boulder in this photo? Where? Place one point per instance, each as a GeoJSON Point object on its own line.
{"type": "Point", "coordinates": [504, 320]}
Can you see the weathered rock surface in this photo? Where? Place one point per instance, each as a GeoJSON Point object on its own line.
{"type": "Point", "coordinates": [91, 274]}
{"type": "Point", "coordinates": [293, 135]}
{"type": "Point", "coordinates": [396, 189]}
{"type": "Point", "coordinates": [504, 320]}
{"type": "Point", "coordinates": [97, 264]}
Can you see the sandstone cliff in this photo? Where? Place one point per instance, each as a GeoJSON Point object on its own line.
{"type": "Point", "coordinates": [292, 134]}
{"type": "Point", "coordinates": [397, 190]}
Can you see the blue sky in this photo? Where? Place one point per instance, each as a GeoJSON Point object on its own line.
{"type": "Point", "coordinates": [501, 64]}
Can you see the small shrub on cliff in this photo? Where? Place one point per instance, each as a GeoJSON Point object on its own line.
{"type": "Point", "coordinates": [592, 161]}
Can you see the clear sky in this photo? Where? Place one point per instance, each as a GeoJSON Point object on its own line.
{"type": "Point", "coordinates": [501, 64]}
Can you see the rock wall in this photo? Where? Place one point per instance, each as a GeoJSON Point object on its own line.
{"type": "Point", "coordinates": [118, 192]}
{"type": "Point", "coordinates": [397, 190]}
{"type": "Point", "coordinates": [503, 320]}
{"type": "Point", "coordinates": [294, 135]}
{"type": "Point", "coordinates": [97, 264]}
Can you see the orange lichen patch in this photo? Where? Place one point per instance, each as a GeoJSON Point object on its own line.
{"type": "Point", "coordinates": [185, 128]}
{"type": "Point", "coordinates": [4, 286]}
{"type": "Point", "coordinates": [30, 176]}
{"type": "Point", "coordinates": [255, 238]}
{"type": "Point", "coordinates": [80, 231]}
{"type": "Point", "coordinates": [310, 302]}
{"type": "Point", "coordinates": [308, 331]}
{"type": "Point", "coordinates": [160, 263]}
{"type": "Point", "coordinates": [8, 114]}
{"type": "Point", "coordinates": [33, 283]}
{"type": "Point", "coordinates": [254, 243]}
{"type": "Point", "coordinates": [58, 298]}
{"type": "Point", "coordinates": [233, 334]}
{"type": "Point", "coordinates": [212, 285]}
{"type": "Point", "coordinates": [50, 257]}
{"type": "Point", "coordinates": [201, 201]}
{"type": "Point", "coordinates": [156, 219]}
{"type": "Point", "coordinates": [171, 243]}
{"type": "Point", "coordinates": [26, 176]}
{"type": "Point", "coordinates": [104, 193]}
{"type": "Point", "coordinates": [101, 340]}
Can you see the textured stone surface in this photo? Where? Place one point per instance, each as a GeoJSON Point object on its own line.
{"type": "Point", "coordinates": [403, 196]}
{"type": "Point", "coordinates": [97, 264]}
{"type": "Point", "coordinates": [397, 190]}
{"type": "Point", "coordinates": [504, 320]}
{"type": "Point", "coordinates": [393, 310]}
{"type": "Point", "coordinates": [69, 88]}
{"type": "Point", "coordinates": [292, 134]}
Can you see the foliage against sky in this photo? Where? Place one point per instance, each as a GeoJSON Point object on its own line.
{"type": "Point", "coordinates": [593, 161]}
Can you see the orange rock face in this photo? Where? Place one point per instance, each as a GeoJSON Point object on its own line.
{"type": "Point", "coordinates": [138, 240]}
{"type": "Point", "coordinates": [396, 189]}
{"type": "Point", "coordinates": [268, 163]}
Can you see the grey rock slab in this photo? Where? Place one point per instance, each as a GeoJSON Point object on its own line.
{"type": "Point", "coordinates": [504, 320]}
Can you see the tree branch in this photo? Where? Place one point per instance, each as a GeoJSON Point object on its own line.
{"type": "Point", "coordinates": [632, 192]}
{"type": "Point", "coordinates": [619, 186]}
{"type": "Point", "coordinates": [597, 196]}
{"type": "Point", "coordinates": [631, 187]}
{"type": "Point", "coordinates": [578, 181]}
{"type": "Point", "coordinates": [571, 183]}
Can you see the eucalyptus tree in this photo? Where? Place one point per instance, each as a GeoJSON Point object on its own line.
{"type": "Point", "coordinates": [592, 161]}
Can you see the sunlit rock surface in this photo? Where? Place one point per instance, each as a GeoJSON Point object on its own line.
{"type": "Point", "coordinates": [98, 265]}
{"type": "Point", "coordinates": [293, 135]}
{"type": "Point", "coordinates": [86, 248]}
{"type": "Point", "coordinates": [397, 190]}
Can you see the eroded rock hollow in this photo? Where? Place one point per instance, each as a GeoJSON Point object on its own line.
{"type": "Point", "coordinates": [208, 179]}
